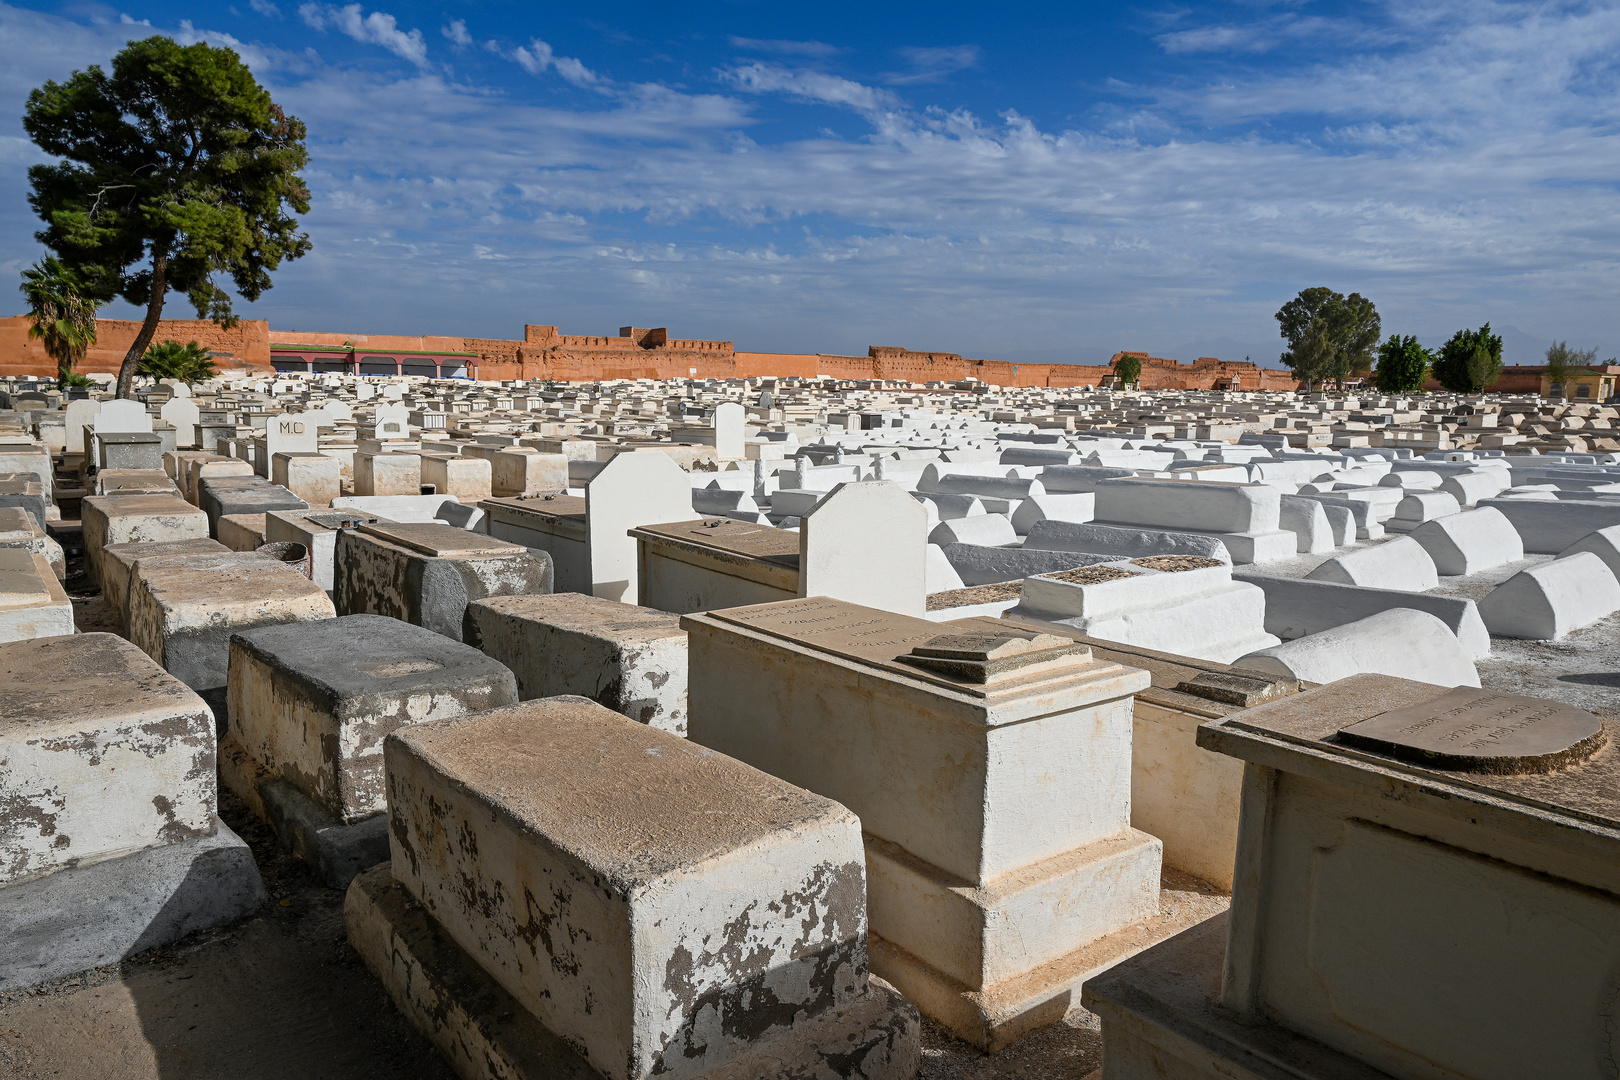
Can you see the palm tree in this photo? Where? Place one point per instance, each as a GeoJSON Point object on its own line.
{"type": "Point", "coordinates": [189, 363]}
{"type": "Point", "coordinates": [64, 317]}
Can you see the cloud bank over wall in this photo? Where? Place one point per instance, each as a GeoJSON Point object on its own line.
{"type": "Point", "coordinates": [1454, 161]}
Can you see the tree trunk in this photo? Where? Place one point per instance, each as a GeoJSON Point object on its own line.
{"type": "Point", "coordinates": [149, 325]}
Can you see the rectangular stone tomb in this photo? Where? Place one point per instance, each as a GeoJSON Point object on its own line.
{"type": "Point", "coordinates": [1172, 603]}
{"type": "Point", "coordinates": [33, 603]}
{"type": "Point", "coordinates": [184, 608]}
{"type": "Point", "coordinates": [427, 574]}
{"type": "Point", "coordinates": [109, 843]}
{"type": "Point", "coordinates": [552, 523]}
{"type": "Point", "coordinates": [309, 706]}
{"type": "Point", "coordinates": [1184, 795]}
{"type": "Point", "coordinates": [630, 659]}
{"type": "Point", "coordinates": [127, 519]}
{"type": "Point", "coordinates": [991, 771]}
{"type": "Point", "coordinates": [715, 563]}
{"type": "Point", "coordinates": [1428, 883]}
{"type": "Point", "coordinates": [574, 894]}
{"type": "Point", "coordinates": [119, 559]}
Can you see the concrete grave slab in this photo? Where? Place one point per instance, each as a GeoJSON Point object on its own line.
{"type": "Point", "coordinates": [716, 563]}
{"type": "Point", "coordinates": [1401, 564]}
{"type": "Point", "coordinates": [20, 531]}
{"type": "Point", "coordinates": [1178, 604]}
{"type": "Point", "coordinates": [1515, 858]}
{"type": "Point", "coordinates": [1296, 607]}
{"type": "Point", "coordinates": [312, 477]}
{"type": "Point", "coordinates": [1401, 642]}
{"type": "Point", "coordinates": [32, 602]}
{"type": "Point", "coordinates": [101, 754]}
{"type": "Point", "coordinates": [1470, 541]}
{"type": "Point", "coordinates": [183, 610]}
{"type": "Point", "coordinates": [1125, 543]}
{"type": "Point", "coordinates": [460, 477]}
{"type": "Point", "coordinates": [125, 519]}
{"type": "Point", "coordinates": [1548, 527]}
{"type": "Point", "coordinates": [710, 853]}
{"type": "Point", "coordinates": [387, 474]}
{"type": "Point", "coordinates": [427, 574]}
{"type": "Point", "coordinates": [242, 495]}
{"type": "Point", "coordinates": [1604, 543]}
{"type": "Point", "coordinates": [629, 659]}
{"type": "Point", "coordinates": [117, 559]}
{"type": "Point", "coordinates": [967, 852]}
{"type": "Point", "coordinates": [1546, 602]}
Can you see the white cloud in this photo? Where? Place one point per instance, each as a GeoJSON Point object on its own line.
{"type": "Point", "coordinates": [257, 59]}
{"type": "Point", "coordinates": [537, 58]}
{"type": "Point", "coordinates": [265, 8]}
{"type": "Point", "coordinates": [817, 49]}
{"type": "Point", "coordinates": [378, 28]}
{"type": "Point", "coordinates": [757, 78]}
{"type": "Point", "coordinates": [457, 33]}
{"type": "Point", "coordinates": [934, 64]}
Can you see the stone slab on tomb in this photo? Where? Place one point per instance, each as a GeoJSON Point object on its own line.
{"type": "Point", "coordinates": [313, 477]}
{"type": "Point", "coordinates": [715, 563]}
{"type": "Point", "coordinates": [438, 541]}
{"type": "Point", "coordinates": [119, 559]}
{"type": "Point", "coordinates": [646, 854]}
{"type": "Point", "coordinates": [184, 608]}
{"type": "Point", "coordinates": [23, 490]}
{"type": "Point", "coordinates": [1352, 985]}
{"type": "Point", "coordinates": [428, 573]}
{"type": "Point", "coordinates": [131, 482]}
{"type": "Point", "coordinates": [243, 495]}
{"type": "Point", "coordinates": [1474, 730]}
{"type": "Point", "coordinates": [317, 530]}
{"type": "Point", "coordinates": [105, 754]}
{"type": "Point", "coordinates": [824, 693]}
{"type": "Point", "coordinates": [33, 603]}
{"type": "Point", "coordinates": [124, 519]}
{"type": "Point", "coordinates": [20, 530]}
{"type": "Point", "coordinates": [630, 659]}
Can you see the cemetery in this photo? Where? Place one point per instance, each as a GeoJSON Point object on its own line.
{"type": "Point", "coordinates": [810, 727]}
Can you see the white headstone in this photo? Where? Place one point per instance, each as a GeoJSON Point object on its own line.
{"type": "Point", "coordinates": [79, 415]}
{"type": "Point", "coordinates": [289, 433]}
{"type": "Point", "coordinates": [183, 413]}
{"type": "Point", "coordinates": [728, 430]}
{"type": "Point", "coordinates": [175, 387]}
{"type": "Point", "coordinates": [634, 489]}
{"type": "Point", "coordinates": [392, 421]}
{"type": "Point", "coordinates": [867, 543]}
{"type": "Point", "coordinates": [122, 416]}
{"type": "Point", "coordinates": [364, 391]}
{"type": "Point", "coordinates": [339, 411]}
{"type": "Point", "coordinates": [393, 391]}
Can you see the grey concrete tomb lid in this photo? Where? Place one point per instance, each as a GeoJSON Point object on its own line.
{"type": "Point", "coordinates": [353, 655]}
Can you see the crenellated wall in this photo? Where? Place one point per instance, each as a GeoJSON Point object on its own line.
{"type": "Point", "coordinates": [636, 353]}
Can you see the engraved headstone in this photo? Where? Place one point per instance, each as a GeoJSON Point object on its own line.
{"type": "Point", "coordinates": [1482, 731]}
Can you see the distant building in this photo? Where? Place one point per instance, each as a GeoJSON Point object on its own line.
{"type": "Point", "coordinates": [1596, 383]}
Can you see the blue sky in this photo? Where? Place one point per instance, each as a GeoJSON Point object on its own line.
{"type": "Point", "coordinates": [1024, 182]}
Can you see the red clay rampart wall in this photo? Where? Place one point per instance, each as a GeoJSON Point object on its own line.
{"type": "Point", "coordinates": [543, 353]}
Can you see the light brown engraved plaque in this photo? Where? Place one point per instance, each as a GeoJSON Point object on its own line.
{"type": "Point", "coordinates": [1482, 731]}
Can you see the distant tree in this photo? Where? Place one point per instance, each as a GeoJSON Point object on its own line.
{"type": "Point", "coordinates": [1470, 361]}
{"type": "Point", "coordinates": [63, 314]}
{"type": "Point", "coordinates": [1128, 369]}
{"type": "Point", "coordinates": [174, 169]}
{"type": "Point", "coordinates": [1565, 363]}
{"type": "Point", "coordinates": [1402, 365]}
{"type": "Point", "coordinates": [1329, 335]}
{"type": "Point", "coordinates": [189, 363]}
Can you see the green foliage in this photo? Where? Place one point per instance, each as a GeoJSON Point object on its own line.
{"type": "Point", "coordinates": [190, 363]}
{"type": "Point", "coordinates": [63, 313]}
{"type": "Point", "coordinates": [1128, 369]}
{"type": "Point", "coordinates": [72, 379]}
{"type": "Point", "coordinates": [1329, 335]}
{"type": "Point", "coordinates": [1470, 361]}
{"type": "Point", "coordinates": [174, 169]}
{"type": "Point", "coordinates": [1565, 363]}
{"type": "Point", "coordinates": [1402, 365]}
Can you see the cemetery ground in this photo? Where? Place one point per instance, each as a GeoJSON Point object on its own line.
{"type": "Point", "coordinates": [281, 995]}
